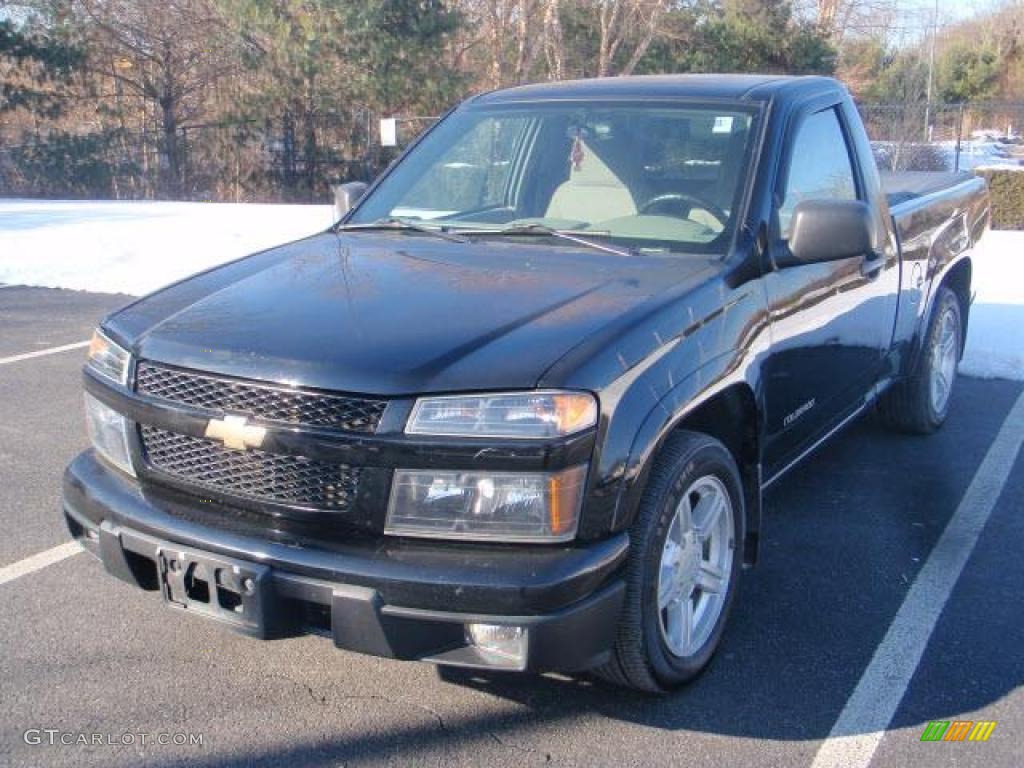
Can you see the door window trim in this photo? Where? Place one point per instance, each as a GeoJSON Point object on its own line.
{"type": "Point", "coordinates": [779, 194]}
{"type": "Point", "coordinates": [801, 112]}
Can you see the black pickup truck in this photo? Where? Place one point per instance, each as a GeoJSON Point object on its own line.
{"type": "Point", "coordinates": [518, 409]}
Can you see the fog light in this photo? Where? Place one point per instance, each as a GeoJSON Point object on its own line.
{"type": "Point", "coordinates": [505, 644]}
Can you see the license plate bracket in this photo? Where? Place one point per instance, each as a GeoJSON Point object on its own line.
{"type": "Point", "coordinates": [230, 591]}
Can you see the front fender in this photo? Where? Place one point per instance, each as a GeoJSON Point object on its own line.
{"type": "Point", "coordinates": [666, 365]}
{"type": "Point", "coordinates": [734, 368]}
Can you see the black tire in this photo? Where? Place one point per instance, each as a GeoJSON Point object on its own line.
{"type": "Point", "coordinates": [641, 659]}
{"type": "Point", "coordinates": [908, 406]}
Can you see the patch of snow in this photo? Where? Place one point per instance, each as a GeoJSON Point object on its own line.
{"type": "Point", "coordinates": [995, 334]}
{"type": "Point", "coordinates": [137, 247]}
{"type": "Point", "coordinates": [1007, 166]}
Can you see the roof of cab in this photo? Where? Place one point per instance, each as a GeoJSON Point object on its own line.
{"type": "Point", "coordinates": [733, 87]}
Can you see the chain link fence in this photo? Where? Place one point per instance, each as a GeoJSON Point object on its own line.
{"type": "Point", "coordinates": [944, 137]}
{"type": "Point", "coordinates": [286, 159]}
{"type": "Point", "coordinates": [278, 160]}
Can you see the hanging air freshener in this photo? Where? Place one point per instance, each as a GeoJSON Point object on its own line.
{"type": "Point", "coordinates": [576, 155]}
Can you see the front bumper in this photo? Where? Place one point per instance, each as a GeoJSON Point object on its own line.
{"type": "Point", "coordinates": [392, 598]}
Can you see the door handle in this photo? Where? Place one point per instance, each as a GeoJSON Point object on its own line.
{"type": "Point", "coordinates": [872, 265]}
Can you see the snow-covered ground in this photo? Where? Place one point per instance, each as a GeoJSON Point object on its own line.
{"type": "Point", "coordinates": [995, 334]}
{"type": "Point", "coordinates": [135, 248]}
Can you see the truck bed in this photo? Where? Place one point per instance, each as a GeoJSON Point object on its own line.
{"type": "Point", "coordinates": [904, 186]}
{"type": "Point", "coordinates": [929, 210]}
{"type": "Point", "coordinates": [920, 201]}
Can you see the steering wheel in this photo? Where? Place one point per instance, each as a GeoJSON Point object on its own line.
{"type": "Point", "coordinates": [686, 204]}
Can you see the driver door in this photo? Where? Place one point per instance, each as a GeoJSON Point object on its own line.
{"type": "Point", "coordinates": [829, 331]}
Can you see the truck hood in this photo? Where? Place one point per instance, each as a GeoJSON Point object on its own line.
{"type": "Point", "coordinates": [395, 313]}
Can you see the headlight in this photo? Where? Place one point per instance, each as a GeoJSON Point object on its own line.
{"type": "Point", "coordinates": [503, 506]}
{"type": "Point", "coordinates": [108, 359]}
{"type": "Point", "coordinates": [108, 431]}
{"type": "Point", "coordinates": [512, 415]}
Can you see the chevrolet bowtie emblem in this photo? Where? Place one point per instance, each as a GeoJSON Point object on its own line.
{"type": "Point", "coordinates": [236, 433]}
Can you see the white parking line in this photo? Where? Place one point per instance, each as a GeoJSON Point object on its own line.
{"type": "Point", "coordinates": [39, 561]}
{"type": "Point", "coordinates": [870, 708]}
{"type": "Point", "coordinates": [43, 352]}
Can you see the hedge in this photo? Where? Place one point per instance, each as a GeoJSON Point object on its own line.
{"type": "Point", "coordinates": [1006, 188]}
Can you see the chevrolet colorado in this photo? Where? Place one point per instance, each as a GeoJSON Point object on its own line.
{"type": "Point", "coordinates": [519, 407]}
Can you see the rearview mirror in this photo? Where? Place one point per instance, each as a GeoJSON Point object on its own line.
{"type": "Point", "coordinates": [347, 195]}
{"type": "Point", "coordinates": [828, 230]}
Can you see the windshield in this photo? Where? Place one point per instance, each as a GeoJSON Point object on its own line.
{"type": "Point", "coordinates": [653, 177]}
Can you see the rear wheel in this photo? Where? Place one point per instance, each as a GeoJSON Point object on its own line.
{"type": "Point", "coordinates": [921, 403]}
{"type": "Point", "coordinates": [683, 567]}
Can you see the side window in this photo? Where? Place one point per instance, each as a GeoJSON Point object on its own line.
{"type": "Point", "coordinates": [472, 173]}
{"type": "Point", "coordinates": [820, 166]}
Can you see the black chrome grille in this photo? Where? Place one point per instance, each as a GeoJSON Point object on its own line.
{"type": "Point", "coordinates": [254, 474]}
{"type": "Point", "coordinates": [351, 414]}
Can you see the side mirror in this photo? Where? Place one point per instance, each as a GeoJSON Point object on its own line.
{"type": "Point", "coordinates": [828, 230]}
{"type": "Point", "coordinates": [347, 195]}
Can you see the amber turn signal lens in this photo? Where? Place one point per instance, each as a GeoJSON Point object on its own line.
{"type": "Point", "coordinates": [107, 358]}
{"type": "Point", "coordinates": [98, 344]}
{"type": "Point", "coordinates": [574, 412]}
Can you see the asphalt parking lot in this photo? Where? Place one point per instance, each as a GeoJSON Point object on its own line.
{"type": "Point", "coordinates": [847, 534]}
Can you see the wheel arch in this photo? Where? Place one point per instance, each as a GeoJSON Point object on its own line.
{"type": "Point", "coordinates": [958, 280]}
{"type": "Point", "coordinates": [957, 277]}
{"type": "Point", "coordinates": [729, 414]}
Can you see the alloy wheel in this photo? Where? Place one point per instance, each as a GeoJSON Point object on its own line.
{"type": "Point", "coordinates": [696, 566]}
{"type": "Point", "coordinates": [944, 358]}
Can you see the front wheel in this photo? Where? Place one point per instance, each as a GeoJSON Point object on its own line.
{"type": "Point", "coordinates": [683, 567]}
{"type": "Point", "coordinates": [921, 403]}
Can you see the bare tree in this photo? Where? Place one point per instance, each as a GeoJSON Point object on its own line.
{"type": "Point", "coordinates": [516, 35]}
{"type": "Point", "coordinates": [554, 45]}
{"type": "Point", "coordinates": [841, 19]}
{"type": "Point", "coordinates": [167, 53]}
{"type": "Point", "coordinates": [625, 23]}
{"type": "Point", "coordinates": [510, 33]}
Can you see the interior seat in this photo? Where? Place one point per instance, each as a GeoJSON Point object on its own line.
{"type": "Point", "coordinates": [591, 193]}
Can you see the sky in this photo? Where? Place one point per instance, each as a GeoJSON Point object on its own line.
{"type": "Point", "coordinates": [949, 10]}
{"type": "Point", "coordinates": [916, 17]}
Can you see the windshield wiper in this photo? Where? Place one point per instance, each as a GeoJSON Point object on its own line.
{"type": "Point", "coordinates": [572, 236]}
{"type": "Point", "coordinates": [398, 223]}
